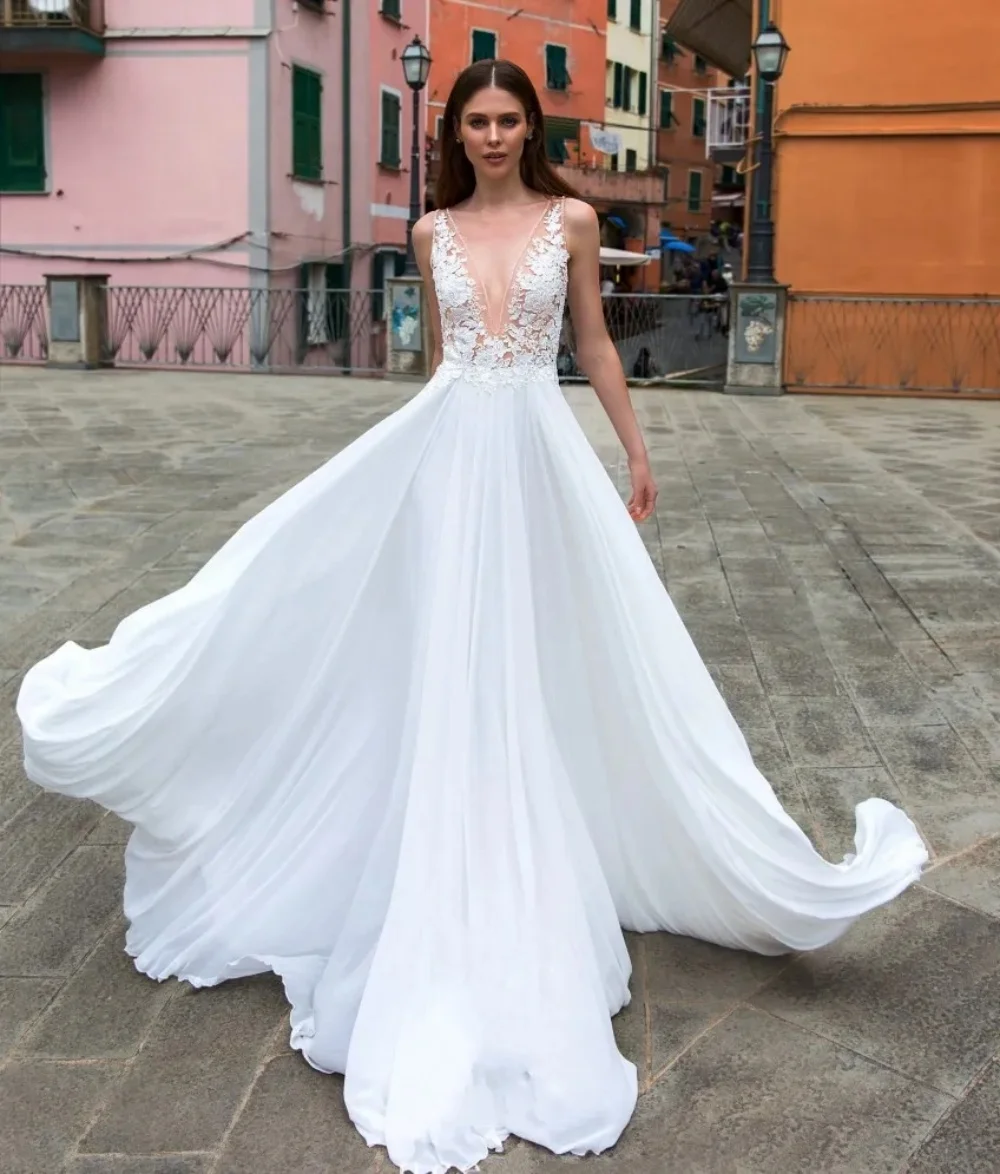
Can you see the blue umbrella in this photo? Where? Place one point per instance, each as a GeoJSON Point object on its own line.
{"type": "Point", "coordinates": [676, 246]}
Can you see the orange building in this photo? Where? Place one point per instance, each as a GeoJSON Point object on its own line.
{"type": "Point", "coordinates": [560, 43]}
{"type": "Point", "coordinates": [681, 119]}
{"type": "Point", "coordinates": [886, 198]}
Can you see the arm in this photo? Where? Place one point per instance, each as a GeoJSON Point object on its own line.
{"type": "Point", "coordinates": [596, 354]}
{"type": "Point", "coordinates": [423, 239]}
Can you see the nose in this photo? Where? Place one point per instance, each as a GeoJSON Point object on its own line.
{"type": "Point", "coordinates": [494, 133]}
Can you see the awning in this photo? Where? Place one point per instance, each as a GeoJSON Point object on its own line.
{"type": "Point", "coordinates": [619, 257]}
{"type": "Point", "coordinates": [721, 31]}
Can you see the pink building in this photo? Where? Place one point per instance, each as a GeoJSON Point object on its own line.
{"type": "Point", "coordinates": [245, 144]}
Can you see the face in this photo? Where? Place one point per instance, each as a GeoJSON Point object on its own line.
{"type": "Point", "coordinates": [493, 129]}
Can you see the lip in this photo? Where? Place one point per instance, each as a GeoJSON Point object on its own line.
{"type": "Point", "coordinates": [494, 157]}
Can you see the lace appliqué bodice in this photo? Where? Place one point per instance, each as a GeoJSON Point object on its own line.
{"type": "Point", "coordinates": [527, 342]}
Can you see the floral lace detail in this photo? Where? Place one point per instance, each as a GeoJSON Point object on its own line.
{"type": "Point", "coordinates": [528, 341]}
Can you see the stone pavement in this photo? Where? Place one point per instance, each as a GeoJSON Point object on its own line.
{"type": "Point", "coordinates": [837, 563]}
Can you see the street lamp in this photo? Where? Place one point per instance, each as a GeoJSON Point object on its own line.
{"type": "Point", "coordinates": [416, 67]}
{"type": "Point", "coordinates": [770, 51]}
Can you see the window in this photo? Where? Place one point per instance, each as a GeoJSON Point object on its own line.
{"type": "Point", "coordinates": [614, 162]}
{"type": "Point", "coordinates": [484, 45]}
{"type": "Point", "coordinates": [392, 9]}
{"type": "Point", "coordinates": [559, 132]}
{"type": "Point", "coordinates": [666, 109]}
{"type": "Point", "coordinates": [324, 304]}
{"type": "Point", "coordinates": [629, 74]}
{"type": "Point", "coordinates": [385, 263]}
{"type": "Point", "coordinates": [22, 133]}
{"type": "Point", "coordinates": [694, 191]}
{"type": "Point", "coordinates": [669, 49]}
{"type": "Point", "coordinates": [556, 74]}
{"type": "Point", "coordinates": [392, 108]}
{"type": "Point", "coordinates": [631, 160]}
{"type": "Point", "coordinates": [642, 93]}
{"type": "Point", "coordinates": [439, 128]}
{"type": "Point", "coordinates": [635, 15]}
{"type": "Point", "coordinates": [612, 9]}
{"type": "Point", "coordinates": [698, 118]}
{"type": "Point", "coordinates": [307, 124]}
{"type": "Point", "coordinates": [318, 328]}
{"type": "Point", "coordinates": [618, 89]}
{"type": "Point", "coordinates": [700, 64]}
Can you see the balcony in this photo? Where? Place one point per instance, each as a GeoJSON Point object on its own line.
{"type": "Point", "coordinates": [52, 26]}
{"type": "Point", "coordinates": [615, 187]}
{"type": "Point", "coordinates": [728, 131]}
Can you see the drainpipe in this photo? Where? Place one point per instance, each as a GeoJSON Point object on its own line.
{"type": "Point", "coordinates": [345, 99]}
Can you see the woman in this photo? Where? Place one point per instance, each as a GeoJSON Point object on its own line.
{"type": "Point", "coordinates": [427, 731]}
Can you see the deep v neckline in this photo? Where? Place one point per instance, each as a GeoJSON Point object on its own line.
{"type": "Point", "coordinates": [475, 277]}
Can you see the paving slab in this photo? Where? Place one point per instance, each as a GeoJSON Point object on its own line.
{"type": "Point", "coordinates": [837, 562]}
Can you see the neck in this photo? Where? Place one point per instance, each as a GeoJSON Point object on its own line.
{"type": "Point", "coordinates": [496, 193]}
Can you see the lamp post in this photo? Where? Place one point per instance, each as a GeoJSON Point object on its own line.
{"type": "Point", "coordinates": [416, 66]}
{"type": "Point", "coordinates": [770, 51]}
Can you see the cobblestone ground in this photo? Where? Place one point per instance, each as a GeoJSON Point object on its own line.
{"type": "Point", "coordinates": [837, 563]}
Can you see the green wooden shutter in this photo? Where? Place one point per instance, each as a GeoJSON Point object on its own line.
{"type": "Point", "coordinates": [558, 132]}
{"type": "Point", "coordinates": [635, 16]}
{"type": "Point", "coordinates": [698, 118]}
{"type": "Point", "coordinates": [391, 155]}
{"type": "Point", "coordinates": [612, 9]}
{"type": "Point", "coordinates": [556, 73]}
{"type": "Point", "coordinates": [642, 93]}
{"type": "Point", "coordinates": [22, 133]}
{"type": "Point", "coordinates": [666, 109]}
{"type": "Point", "coordinates": [307, 124]}
{"type": "Point", "coordinates": [619, 85]}
{"type": "Point", "coordinates": [391, 8]}
{"type": "Point", "coordinates": [694, 191]}
{"type": "Point", "coordinates": [631, 160]}
{"type": "Point", "coordinates": [484, 45]}
{"type": "Point", "coordinates": [629, 74]}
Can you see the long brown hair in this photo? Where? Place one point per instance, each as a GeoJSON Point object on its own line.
{"type": "Point", "coordinates": [456, 179]}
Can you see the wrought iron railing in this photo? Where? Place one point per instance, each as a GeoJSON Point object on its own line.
{"type": "Point", "coordinates": [893, 344]}
{"type": "Point", "coordinates": [728, 121]}
{"type": "Point", "coordinates": [661, 338]}
{"type": "Point", "coordinates": [24, 334]}
{"type": "Point", "coordinates": [245, 329]}
{"type": "Point", "coordinates": [33, 14]}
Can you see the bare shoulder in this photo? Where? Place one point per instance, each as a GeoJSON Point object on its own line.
{"type": "Point", "coordinates": [423, 230]}
{"type": "Point", "coordinates": [580, 216]}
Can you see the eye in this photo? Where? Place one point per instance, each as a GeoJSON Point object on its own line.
{"type": "Point", "coordinates": [510, 120]}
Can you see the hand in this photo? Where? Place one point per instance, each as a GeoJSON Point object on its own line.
{"type": "Point", "coordinates": [644, 491]}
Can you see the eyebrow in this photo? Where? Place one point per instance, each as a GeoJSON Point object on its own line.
{"type": "Point", "coordinates": [503, 114]}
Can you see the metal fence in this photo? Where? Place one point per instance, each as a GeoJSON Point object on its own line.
{"type": "Point", "coordinates": [331, 330]}
{"type": "Point", "coordinates": [893, 344]}
{"type": "Point", "coordinates": [661, 338]}
{"type": "Point", "coordinates": [24, 333]}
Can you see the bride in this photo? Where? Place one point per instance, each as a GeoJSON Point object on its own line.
{"type": "Point", "coordinates": [427, 731]}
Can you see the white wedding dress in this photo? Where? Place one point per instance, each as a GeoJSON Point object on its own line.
{"type": "Point", "coordinates": [421, 737]}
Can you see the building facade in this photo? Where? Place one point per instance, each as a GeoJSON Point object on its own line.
{"type": "Point", "coordinates": [559, 43]}
{"type": "Point", "coordinates": [229, 143]}
{"type": "Point", "coordinates": [630, 80]}
{"type": "Point", "coordinates": [887, 169]}
{"type": "Point", "coordinates": [684, 80]}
